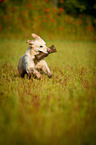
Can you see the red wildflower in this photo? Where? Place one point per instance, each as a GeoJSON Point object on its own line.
{"type": "Point", "coordinates": [29, 6]}
{"type": "Point", "coordinates": [61, 28]}
{"type": "Point", "coordinates": [8, 23]}
{"type": "Point", "coordinates": [80, 15]}
{"type": "Point", "coordinates": [0, 28]}
{"type": "Point", "coordinates": [39, 16]}
{"type": "Point", "coordinates": [44, 20]}
{"type": "Point", "coordinates": [61, 9]}
{"type": "Point", "coordinates": [38, 8]}
{"type": "Point", "coordinates": [90, 28]}
{"type": "Point", "coordinates": [46, 0]}
{"type": "Point", "coordinates": [47, 16]}
{"type": "Point", "coordinates": [14, 9]}
{"type": "Point", "coordinates": [9, 7]}
{"type": "Point", "coordinates": [77, 22]}
{"type": "Point", "coordinates": [31, 21]}
{"type": "Point", "coordinates": [20, 18]}
{"type": "Point", "coordinates": [52, 20]}
{"type": "Point", "coordinates": [1, 0]}
{"type": "Point", "coordinates": [5, 17]}
{"type": "Point", "coordinates": [69, 22]}
{"type": "Point", "coordinates": [81, 22]}
{"type": "Point", "coordinates": [40, 28]}
{"type": "Point", "coordinates": [54, 10]}
{"type": "Point", "coordinates": [61, 1]}
{"type": "Point", "coordinates": [47, 10]}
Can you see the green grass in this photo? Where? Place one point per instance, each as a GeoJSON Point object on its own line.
{"type": "Point", "coordinates": [56, 111]}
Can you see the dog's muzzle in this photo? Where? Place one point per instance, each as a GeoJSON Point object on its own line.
{"type": "Point", "coordinates": [40, 50]}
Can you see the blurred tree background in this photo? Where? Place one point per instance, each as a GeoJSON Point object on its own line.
{"type": "Point", "coordinates": [76, 7]}
{"type": "Point", "coordinates": [52, 19]}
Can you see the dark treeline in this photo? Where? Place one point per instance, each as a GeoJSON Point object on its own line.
{"type": "Point", "coordinates": [75, 7]}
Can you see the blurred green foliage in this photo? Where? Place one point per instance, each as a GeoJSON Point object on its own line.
{"type": "Point", "coordinates": [75, 7]}
{"type": "Point", "coordinates": [19, 18]}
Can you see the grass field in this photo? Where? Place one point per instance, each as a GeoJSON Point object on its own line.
{"type": "Point", "coordinates": [56, 111]}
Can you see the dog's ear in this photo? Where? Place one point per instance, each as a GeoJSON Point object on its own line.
{"type": "Point", "coordinates": [31, 46]}
{"type": "Point", "coordinates": [30, 41]}
{"type": "Point", "coordinates": [27, 41]}
{"type": "Point", "coordinates": [35, 36]}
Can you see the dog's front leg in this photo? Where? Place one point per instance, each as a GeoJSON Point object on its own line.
{"type": "Point", "coordinates": [38, 75]}
{"type": "Point", "coordinates": [46, 70]}
{"type": "Point", "coordinates": [34, 72]}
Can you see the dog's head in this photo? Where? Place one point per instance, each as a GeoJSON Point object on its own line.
{"type": "Point", "coordinates": [38, 44]}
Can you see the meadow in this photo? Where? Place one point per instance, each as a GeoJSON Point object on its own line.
{"type": "Point", "coordinates": [56, 111]}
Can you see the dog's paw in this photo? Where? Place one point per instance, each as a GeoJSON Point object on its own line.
{"type": "Point", "coordinates": [39, 76]}
{"type": "Point", "coordinates": [50, 75]}
{"type": "Point", "coordinates": [29, 75]}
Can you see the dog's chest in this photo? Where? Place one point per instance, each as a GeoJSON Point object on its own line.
{"type": "Point", "coordinates": [31, 55]}
{"type": "Point", "coordinates": [41, 63]}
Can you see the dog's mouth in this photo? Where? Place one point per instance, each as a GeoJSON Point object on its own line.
{"type": "Point", "coordinates": [30, 44]}
{"type": "Point", "coordinates": [42, 51]}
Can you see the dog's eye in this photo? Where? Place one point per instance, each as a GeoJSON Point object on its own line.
{"type": "Point", "coordinates": [41, 46]}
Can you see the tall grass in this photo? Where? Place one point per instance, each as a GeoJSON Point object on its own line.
{"type": "Point", "coordinates": [60, 110]}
